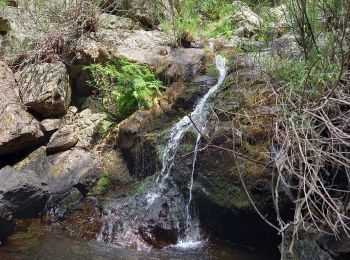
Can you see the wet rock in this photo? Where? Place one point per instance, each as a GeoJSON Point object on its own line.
{"type": "Point", "coordinates": [23, 192]}
{"type": "Point", "coordinates": [182, 64]}
{"type": "Point", "coordinates": [19, 130]}
{"type": "Point", "coordinates": [140, 135]}
{"type": "Point", "coordinates": [159, 228]}
{"type": "Point", "coordinates": [140, 218]}
{"type": "Point", "coordinates": [305, 246]}
{"type": "Point", "coordinates": [45, 88]}
{"type": "Point", "coordinates": [222, 202]}
{"type": "Point", "coordinates": [80, 131]}
{"type": "Point", "coordinates": [7, 224]}
{"type": "Point", "coordinates": [64, 170]}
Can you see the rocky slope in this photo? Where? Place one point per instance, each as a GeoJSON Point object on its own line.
{"type": "Point", "coordinates": [58, 158]}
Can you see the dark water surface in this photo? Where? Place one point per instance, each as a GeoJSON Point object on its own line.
{"type": "Point", "coordinates": [38, 242]}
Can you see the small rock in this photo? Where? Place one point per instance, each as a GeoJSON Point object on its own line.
{"type": "Point", "coordinates": [50, 125]}
{"type": "Point", "coordinates": [62, 140]}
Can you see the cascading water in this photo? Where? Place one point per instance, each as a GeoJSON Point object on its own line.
{"type": "Point", "coordinates": [196, 120]}
{"type": "Point", "coordinates": [162, 214]}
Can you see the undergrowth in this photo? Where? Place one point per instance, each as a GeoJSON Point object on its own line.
{"type": "Point", "coordinates": [123, 87]}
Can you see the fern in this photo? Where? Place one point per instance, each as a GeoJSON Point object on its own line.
{"type": "Point", "coordinates": [124, 87]}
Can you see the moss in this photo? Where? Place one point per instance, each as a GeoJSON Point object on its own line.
{"type": "Point", "coordinates": [229, 196]}
{"type": "Point", "coordinates": [31, 157]}
{"type": "Point", "coordinates": [103, 184]}
{"type": "Point", "coordinates": [103, 126]}
{"type": "Point", "coordinates": [67, 203]}
{"type": "Point", "coordinates": [142, 187]}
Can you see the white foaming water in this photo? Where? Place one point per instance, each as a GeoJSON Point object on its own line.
{"type": "Point", "coordinates": [197, 119]}
{"type": "Point", "coordinates": [190, 244]}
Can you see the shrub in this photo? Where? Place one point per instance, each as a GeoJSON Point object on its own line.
{"type": "Point", "coordinates": [124, 87]}
{"type": "Point", "coordinates": [202, 18]}
{"type": "Point", "coordinates": [104, 183]}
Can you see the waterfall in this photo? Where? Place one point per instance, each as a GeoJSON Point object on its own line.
{"type": "Point", "coordinates": [132, 220]}
{"type": "Point", "coordinates": [196, 121]}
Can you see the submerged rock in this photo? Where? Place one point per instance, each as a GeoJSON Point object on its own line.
{"type": "Point", "coordinates": [19, 130]}
{"type": "Point", "coordinates": [7, 223]}
{"type": "Point", "coordinates": [45, 88]}
{"type": "Point", "coordinates": [22, 192]}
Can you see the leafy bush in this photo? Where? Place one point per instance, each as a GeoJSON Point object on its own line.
{"type": "Point", "coordinates": [124, 87]}
{"type": "Point", "coordinates": [200, 18]}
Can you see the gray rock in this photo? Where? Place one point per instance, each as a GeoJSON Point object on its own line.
{"type": "Point", "coordinates": [246, 22]}
{"type": "Point", "coordinates": [62, 171]}
{"type": "Point", "coordinates": [62, 140]}
{"type": "Point", "coordinates": [79, 131]}
{"type": "Point", "coordinates": [50, 125]}
{"type": "Point", "coordinates": [183, 64]}
{"type": "Point", "coordinates": [77, 169]}
{"type": "Point", "coordinates": [286, 46]}
{"type": "Point", "coordinates": [45, 88]}
{"type": "Point", "coordinates": [19, 130]}
{"type": "Point", "coordinates": [23, 193]}
{"type": "Point", "coordinates": [140, 46]}
{"type": "Point", "coordinates": [305, 246]}
{"type": "Point", "coordinates": [109, 21]}
{"type": "Point", "coordinates": [142, 11]}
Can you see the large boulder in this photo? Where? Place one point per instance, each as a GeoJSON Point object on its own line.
{"type": "Point", "coordinates": [182, 64]}
{"type": "Point", "coordinates": [19, 130]}
{"type": "Point", "coordinates": [45, 88]}
{"type": "Point", "coordinates": [22, 192]}
{"type": "Point", "coordinates": [76, 169]}
{"type": "Point", "coordinates": [237, 147]}
{"type": "Point", "coordinates": [140, 46]}
{"type": "Point", "coordinates": [142, 11]}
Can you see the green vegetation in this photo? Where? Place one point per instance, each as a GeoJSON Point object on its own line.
{"type": "Point", "coordinates": [124, 87]}
{"type": "Point", "coordinates": [204, 19]}
{"type": "Point", "coordinates": [104, 183]}
{"type": "Point", "coordinates": [200, 19]}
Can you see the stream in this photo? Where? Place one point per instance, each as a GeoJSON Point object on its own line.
{"type": "Point", "coordinates": [133, 225]}
{"type": "Point", "coordinates": [51, 243]}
